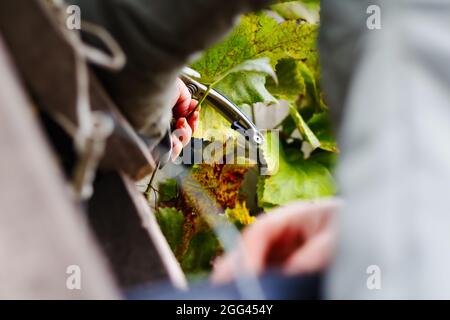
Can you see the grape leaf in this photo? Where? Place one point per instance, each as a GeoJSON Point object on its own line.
{"type": "Point", "coordinates": [245, 83]}
{"type": "Point", "coordinates": [240, 214]}
{"type": "Point", "coordinates": [296, 179]}
{"type": "Point", "coordinates": [304, 129]}
{"type": "Point", "coordinates": [258, 36]}
{"type": "Point", "coordinates": [202, 249]}
{"type": "Point", "coordinates": [246, 88]}
{"type": "Point", "coordinates": [313, 97]}
{"type": "Point", "coordinates": [261, 65]}
{"type": "Point", "coordinates": [298, 87]}
{"type": "Point", "coordinates": [290, 81]}
{"type": "Point", "coordinates": [270, 152]}
{"type": "Point", "coordinates": [239, 65]}
{"type": "Point", "coordinates": [221, 181]}
{"type": "Point", "coordinates": [171, 222]}
{"type": "Point", "coordinates": [168, 190]}
{"type": "Point", "coordinates": [213, 126]}
{"type": "Point", "coordinates": [320, 124]}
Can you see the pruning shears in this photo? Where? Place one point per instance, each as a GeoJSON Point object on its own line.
{"type": "Point", "coordinates": [239, 121]}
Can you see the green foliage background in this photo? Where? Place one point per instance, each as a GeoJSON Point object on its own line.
{"type": "Point", "coordinates": [269, 59]}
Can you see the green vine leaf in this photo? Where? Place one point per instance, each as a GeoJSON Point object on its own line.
{"type": "Point", "coordinates": [202, 249]}
{"type": "Point", "coordinates": [304, 129]}
{"type": "Point", "coordinates": [261, 65]}
{"type": "Point", "coordinates": [171, 222]}
{"type": "Point", "coordinates": [259, 36]}
{"type": "Point", "coordinates": [246, 88]}
{"type": "Point", "coordinates": [290, 81]}
{"type": "Point", "coordinates": [240, 65]}
{"type": "Point", "coordinates": [320, 124]}
{"type": "Point", "coordinates": [296, 179]}
{"type": "Point", "coordinates": [213, 126]}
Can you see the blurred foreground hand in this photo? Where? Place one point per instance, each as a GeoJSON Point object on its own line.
{"type": "Point", "coordinates": [296, 239]}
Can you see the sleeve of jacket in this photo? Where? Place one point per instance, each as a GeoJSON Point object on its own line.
{"type": "Point", "coordinates": [389, 88]}
{"type": "Point", "coordinates": [159, 37]}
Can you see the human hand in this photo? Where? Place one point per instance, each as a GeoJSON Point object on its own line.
{"type": "Point", "coordinates": [298, 238]}
{"type": "Point", "coordinates": [186, 121]}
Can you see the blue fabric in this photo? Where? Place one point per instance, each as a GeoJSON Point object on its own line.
{"type": "Point", "coordinates": [274, 286]}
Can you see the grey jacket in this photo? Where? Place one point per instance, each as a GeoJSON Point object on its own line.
{"type": "Point", "coordinates": [159, 37]}
{"type": "Point", "coordinates": [389, 92]}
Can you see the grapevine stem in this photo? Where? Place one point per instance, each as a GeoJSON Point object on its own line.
{"type": "Point", "coordinates": [150, 184]}
{"type": "Point", "coordinates": [208, 90]}
{"type": "Point", "coordinates": [202, 100]}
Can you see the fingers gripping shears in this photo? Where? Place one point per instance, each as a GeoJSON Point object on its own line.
{"type": "Point", "coordinates": [230, 111]}
{"type": "Point", "coordinates": [239, 121]}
